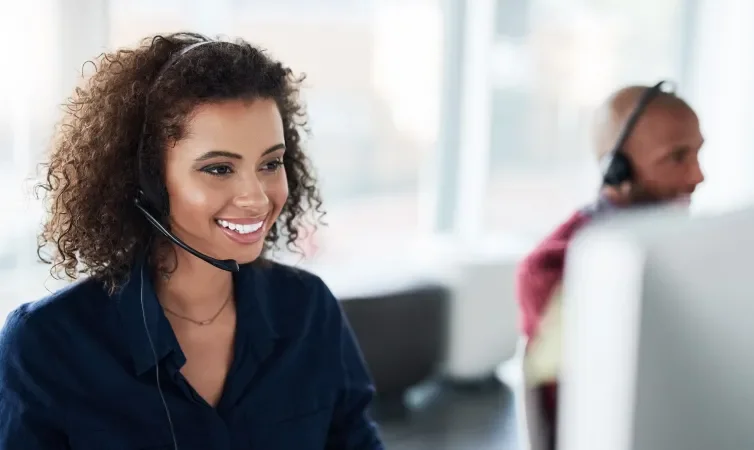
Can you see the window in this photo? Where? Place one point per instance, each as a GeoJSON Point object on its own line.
{"type": "Point", "coordinates": [29, 93]}
{"type": "Point", "coordinates": [545, 83]}
{"type": "Point", "coordinates": [466, 116]}
{"type": "Point", "coordinates": [373, 89]}
{"type": "Point", "coordinates": [373, 94]}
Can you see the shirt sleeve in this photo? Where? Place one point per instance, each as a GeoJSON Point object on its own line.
{"type": "Point", "coordinates": [351, 427]}
{"type": "Point", "coordinates": [25, 418]}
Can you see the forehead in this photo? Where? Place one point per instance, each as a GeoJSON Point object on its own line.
{"type": "Point", "coordinates": [235, 125]}
{"type": "Point", "coordinates": [663, 129]}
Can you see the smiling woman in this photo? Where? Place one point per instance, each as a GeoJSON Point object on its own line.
{"type": "Point", "coordinates": [237, 192]}
{"type": "Point", "coordinates": [182, 147]}
{"type": "Point", "coordinates": [187, 112]}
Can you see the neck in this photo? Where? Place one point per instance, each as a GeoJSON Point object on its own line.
{"type": "Point", "coordinates": [614, 199]}
{"type": "Point", "coordinates": [194, 288]}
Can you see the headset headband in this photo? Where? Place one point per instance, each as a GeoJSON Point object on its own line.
{"type": "Point", "coordinates": [644, 101]}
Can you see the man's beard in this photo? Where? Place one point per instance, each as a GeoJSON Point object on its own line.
{"type": "Point", "coordinates": [640, 196]}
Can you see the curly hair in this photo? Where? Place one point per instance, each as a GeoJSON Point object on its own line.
{"type": "Point", "coordinates": [135, 99]}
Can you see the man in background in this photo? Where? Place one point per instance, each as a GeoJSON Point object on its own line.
{"type": "Point", "coordinates": [648, 142]}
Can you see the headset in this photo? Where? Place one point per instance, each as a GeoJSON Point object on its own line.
{"type": "Point", "coordinates": [616, 166]}
{"type": "Point", "coordinates": [151, 200]}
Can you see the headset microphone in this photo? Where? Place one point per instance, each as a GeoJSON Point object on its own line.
{"type": "Point", "coordinates": [229, 265]}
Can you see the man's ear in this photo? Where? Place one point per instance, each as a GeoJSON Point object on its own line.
{"type": "Point", "coordinates": [619, 195]}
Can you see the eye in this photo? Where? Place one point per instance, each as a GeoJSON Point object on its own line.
{"type": "Point", "coordinates": [679, 156]}
{"type": "Point", "coordinates": [218, 170]}
{"type": "Point", "coordinates": [273, 166]}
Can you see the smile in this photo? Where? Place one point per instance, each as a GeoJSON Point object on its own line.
{"type": "Point", "coordinates": [241, 228]}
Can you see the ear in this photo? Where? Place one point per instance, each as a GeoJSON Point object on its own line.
{"type": "Point", "coordinates": [620, 194]}
{"type": "Point", "coordinates": [625, 190]}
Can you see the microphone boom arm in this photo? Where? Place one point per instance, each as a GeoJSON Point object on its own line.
{"type": "Point", "coordinates": [229, 265]}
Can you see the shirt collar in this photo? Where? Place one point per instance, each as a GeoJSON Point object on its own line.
{"type": "Point", "coordinates": [148, 331]}
{"type": "Point", "coordinates": [602, 205]}
{"type": "Point", "coordinates": [254, 307]}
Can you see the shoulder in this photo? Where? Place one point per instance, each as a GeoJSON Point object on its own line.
{"type": "Point", "coordinates": [295, 298]}
{"type": "Point", "coordinates": [35, 331]}
{"type": "Point", "coordinates": [290, 279]}
{"type": "Point", "coordinates": [550, 252]}
{"type": "Point", "coordinates": [541, 271]}
{"type": "Point", "coordinates": [57, 308]}
{"type": "Point", "coordinates": [292, 284]}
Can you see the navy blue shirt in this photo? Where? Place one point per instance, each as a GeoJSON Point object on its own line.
{"type": "Point", "coordinates": [77, 372]}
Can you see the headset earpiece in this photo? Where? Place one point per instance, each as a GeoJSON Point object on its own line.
{"type": "Point", "coordinates": [618, 171]}
{"type": "Point", "coordinates": [154, 205]}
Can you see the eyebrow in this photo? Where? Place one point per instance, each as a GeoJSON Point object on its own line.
{"type": "Point", "coordinates": [687, 148]}
{"type": "Point", "coordinates": [681, 149]}
{"type": "Point", "coordinates": [226, 154]}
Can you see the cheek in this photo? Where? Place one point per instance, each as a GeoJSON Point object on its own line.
{"type": "Point", "coordinates": [190, 202]}
{"type": "Point", "coordinates": [661, 184]}
{"type": "Point", "coordinates": [651, 176]}
{"type": "Point", "coordinates": [277, 192]}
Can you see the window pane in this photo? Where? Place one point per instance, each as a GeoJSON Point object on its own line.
{"type": "Point", "coordinates": [131, 21]}
{"type": "Point", "coordinates": [546, 85]}
{"type": "Point", "coordinates": [29, 95]}
{"type": "Point", "coordinates": [373, 80]}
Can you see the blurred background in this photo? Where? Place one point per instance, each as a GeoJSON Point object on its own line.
{"type": "Point", "coordinates": [449, 136]}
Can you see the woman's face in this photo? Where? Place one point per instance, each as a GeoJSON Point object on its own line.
{"type": "Point", "coordinates": [225, 179]}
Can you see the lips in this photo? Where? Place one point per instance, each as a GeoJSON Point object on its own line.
{"type": "Point", "coordinates": [241, 228]}
{"type": "Point", "coordinates": [243, 231]}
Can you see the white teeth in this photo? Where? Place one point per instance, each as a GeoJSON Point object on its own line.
{"type": "Point", "coordinates": [239, 228]}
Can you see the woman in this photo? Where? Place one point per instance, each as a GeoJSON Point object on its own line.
{"type": "Point", "coordinates": [159, 348]}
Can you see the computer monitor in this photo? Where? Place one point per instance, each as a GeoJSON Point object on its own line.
{"type": "Point", "coordinates": [658, 335]}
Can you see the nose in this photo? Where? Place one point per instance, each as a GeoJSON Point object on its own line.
{"type": "Point", "coordinates": [252, 195]}
{"type": "Point", "coordinates": [696, 176]}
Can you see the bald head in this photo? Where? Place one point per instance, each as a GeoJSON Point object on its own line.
{"type": "Point", "coordinates": [613, 114]}
{"type": "Point", "coordinates": [662, 146]}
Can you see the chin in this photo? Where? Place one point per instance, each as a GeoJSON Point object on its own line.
{"type": "Point", "coordinates": [682, 201]}
{"type": "Point", "coordinates": [246, 255]}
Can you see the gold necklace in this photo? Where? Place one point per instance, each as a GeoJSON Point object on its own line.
{"type": "Point", "coordinates": [200, 322]}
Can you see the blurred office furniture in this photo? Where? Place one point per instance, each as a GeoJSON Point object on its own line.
{"type": "Point", "coordinates": [530, 422]}
{"type": "Point", "coordinates": [481, 313]}
{"type": "Point", "coordinates": [399, 314]}
{"type": "Point", "coordinates": [483, 319]}
{"type": "Point", "coordinates": [402, 334]}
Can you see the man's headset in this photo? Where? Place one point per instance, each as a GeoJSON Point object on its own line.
{"type": "Point", "coordinates": [616, 166]}
{"type": "Point", "coordinates": [152, 198]}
